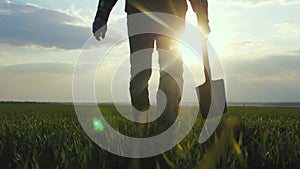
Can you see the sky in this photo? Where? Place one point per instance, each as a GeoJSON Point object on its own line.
{"type": "Point", "coordinates": [257, 42]}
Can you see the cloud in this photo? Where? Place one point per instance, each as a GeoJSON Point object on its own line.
{"type": "Point", "coordinates": [259, 71]}
{"type": "Point", "coordinates": [296, 52]}
{"type": "Point", "coordinates": [31, 25]}
{"type": "Point", "coordinates": [82, 20]}
{"type": "Point", "coordinates": [264, 66]}
{"type": "Point", "coordinates": [288, 1]}
{"type": "Point", "coordinates": [268, 88]}
{"type": "Point", "coordinates": [260, 58]}
{"type": "Point", "coordinates": [254, 3]}
{"type": "Point", "coordinates": [247, 3]}
{"type": "Point", "coordinates": [43, 81]}
{"type": "Point", "coordinates": [41, 68]}
{"type": "Point", "coordinates": [26, 25]}
{"type": "Point", "coordinates": [5, 1]}
{"type": "Point", "coordinates": [4, 53]}
{"type": "Point", "coordinates": [252, 50]}
{"type": "Point", "coordinates": [36, 87]}
{"type": "Point", "coordinates": [287, 30]}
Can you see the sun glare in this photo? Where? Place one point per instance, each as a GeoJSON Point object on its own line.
{"type": "Point", "coordinates": [217, 37]}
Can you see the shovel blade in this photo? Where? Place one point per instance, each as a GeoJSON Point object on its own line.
{"type": "Point", "coordinates": [204, 97]}
{"type": "Point", "coordinates": [211, 97]}
{"type": "Point", "coordinates": [214, 112]}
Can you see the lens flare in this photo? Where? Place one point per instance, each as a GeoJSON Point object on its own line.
{"type": "Point", "coordinates": [98, 125]}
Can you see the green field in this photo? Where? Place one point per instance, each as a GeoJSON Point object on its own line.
{"type": "Point", "coordinates": [50, 136]}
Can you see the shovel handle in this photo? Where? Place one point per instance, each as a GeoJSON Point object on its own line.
{"type": "Point", "coordinates": [207, 71]}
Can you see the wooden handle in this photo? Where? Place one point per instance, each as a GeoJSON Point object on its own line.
{"type": "Point", "coordinates": [207, 71]}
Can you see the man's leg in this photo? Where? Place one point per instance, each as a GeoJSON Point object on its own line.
{"type": "Point", "coordinates": [171, 80]}
{"type": "Point", "coordinates": [141, 48]}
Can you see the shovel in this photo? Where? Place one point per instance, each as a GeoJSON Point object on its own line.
{"type": "Point", "coordinates": [211, 97]}
{"type": "Point", "coordinates": [211, 94]}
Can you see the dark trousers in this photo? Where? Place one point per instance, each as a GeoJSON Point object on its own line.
{"type": "Point", "coordinates": [171, 70]}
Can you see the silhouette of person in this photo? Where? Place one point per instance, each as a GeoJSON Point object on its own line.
{"type": "Point", "coordinates": [171, 70]}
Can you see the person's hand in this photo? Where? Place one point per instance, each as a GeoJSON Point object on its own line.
{"type": "Point", "coordinates": [99, 28]}
{"type": "Point", "coordinates": [204, 28]}
{"type": "Point", "coordinates": [203, 24]}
